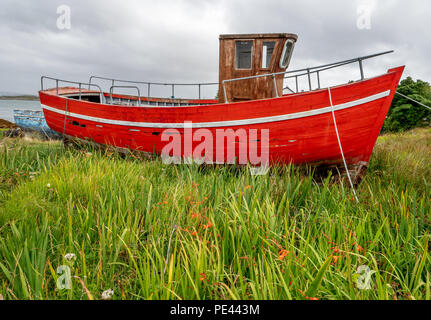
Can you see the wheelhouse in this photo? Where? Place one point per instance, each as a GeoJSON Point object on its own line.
{"type": "Point", "coordinates": [248, 55]}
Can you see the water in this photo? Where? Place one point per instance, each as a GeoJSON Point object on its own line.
{"type": "Point", "coordinates": [7, 107]}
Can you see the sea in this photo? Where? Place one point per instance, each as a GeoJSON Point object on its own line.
{"type": "Point", "coordinates": [7, 107]}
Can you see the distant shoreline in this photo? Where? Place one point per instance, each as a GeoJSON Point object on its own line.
{"type": "Point", "coordinates": [23, 98]}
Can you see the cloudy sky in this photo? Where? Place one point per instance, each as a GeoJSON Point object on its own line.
{"type": "Point", "coordinates": [177, 40]}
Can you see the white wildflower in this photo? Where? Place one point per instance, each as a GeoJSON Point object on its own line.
{"type": "Point", "coordinates": [48, 185]}
{"type": "Point", "coordinates": [70, 257]}
{"type": "Point", "coordinates": [107, 294]}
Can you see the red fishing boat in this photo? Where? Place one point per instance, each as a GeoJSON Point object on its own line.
{"type": "Point", "coordinates": [256, 118]}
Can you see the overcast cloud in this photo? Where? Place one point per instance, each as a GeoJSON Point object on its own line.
{"type": "Point", "coordinates": [177, 41]}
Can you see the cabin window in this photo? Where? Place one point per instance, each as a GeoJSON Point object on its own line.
{"type": "Point", "coordinates": [287, 54]}
{"type": "Point", "coordinates": [243, 54]}
{"type": "Point", "coordinates": [267, 51]}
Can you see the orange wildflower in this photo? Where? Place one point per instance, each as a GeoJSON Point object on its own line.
{"type": "Point", "coordinates": [208, 225]}
{"type": "Point", "coordinates": [282, 254]}
{"type": "Point", "coordinates": [204, 277]}
{"type": "Point", "coordinates": [335, 258]}
{"type": "Point", "coordinates": [308, 298]}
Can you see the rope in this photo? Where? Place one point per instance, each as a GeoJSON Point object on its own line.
{"type": "Point", "coordinates": [44, 132]}
{"type": "Point", "coordinates": [341, 148]}
{"type": "Point", "coordinates": [65, 115]}
{"type": "Point", "coordinates": [413, 100]}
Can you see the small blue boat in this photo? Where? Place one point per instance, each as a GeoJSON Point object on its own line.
{"type": "Point", "coordinates": [34, 120]}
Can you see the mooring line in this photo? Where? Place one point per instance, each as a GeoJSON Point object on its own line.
{"type": "Point", "coordinates": [341, 148]}
{"type": "Point", "coordinates": [65, 115]}
{"type": "Point", "coordinates": [423, 105]}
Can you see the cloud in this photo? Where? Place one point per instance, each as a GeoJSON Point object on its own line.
{"type": "Point", "coordinates": [177, 41]}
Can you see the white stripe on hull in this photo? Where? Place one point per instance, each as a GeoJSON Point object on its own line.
{"type": "Point", "coordinates": [229, 123]}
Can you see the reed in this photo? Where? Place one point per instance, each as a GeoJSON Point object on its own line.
{"type": "Point", "coordinates": [152, 231]}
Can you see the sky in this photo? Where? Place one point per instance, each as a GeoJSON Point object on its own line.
{"type": "Point", "coordinates": [177, 40]}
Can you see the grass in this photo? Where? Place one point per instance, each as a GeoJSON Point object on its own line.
{"type": "Point", "coordinates": [151, 231]}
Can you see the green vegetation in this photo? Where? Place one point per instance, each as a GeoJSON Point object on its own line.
{"type": "Point", "coordinates": [405, 114]}
{"type": "Point", "coordinates": [151, 231]}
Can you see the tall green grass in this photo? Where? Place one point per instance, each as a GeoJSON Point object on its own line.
{"type": "Point", "coordinates": [151, 231]}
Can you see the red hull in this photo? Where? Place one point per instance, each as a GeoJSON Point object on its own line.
{"type": "Point", "coordinates": [301, 127]}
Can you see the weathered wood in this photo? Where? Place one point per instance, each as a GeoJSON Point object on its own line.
{"type": "Point", "coordinates": [13, 133]}
{"type": "Point", "coordinates": [34, 121]}
{"type": "Point", "coordinates": [251, 89]}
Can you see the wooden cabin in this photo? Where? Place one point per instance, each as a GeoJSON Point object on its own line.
{"type": "Point", "coordinates": [244, 55]}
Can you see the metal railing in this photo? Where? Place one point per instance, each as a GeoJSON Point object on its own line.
{"type": "Point", "coordinates": [296, 74]}
{"type": "Point", "coordinates": [111, 90]}
{"type": "Point", "coordinates": [149, 84]}
{"type": "Point", "coordinates": [80, 84]}
{"type": "Point", "coordinates": [306, 72]}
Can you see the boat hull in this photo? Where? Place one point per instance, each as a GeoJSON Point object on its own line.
{"type": "Point", "coordinates": [33, 120]}
{"type": "Point", "coordinates": [296, 128]}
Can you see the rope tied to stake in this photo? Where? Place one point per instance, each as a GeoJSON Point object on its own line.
{"type": "Point", "coordinates": [341, 147]}
{"type": "Point", "coordinates": [65, 116]}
